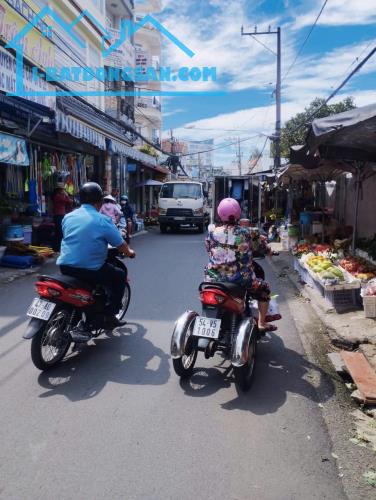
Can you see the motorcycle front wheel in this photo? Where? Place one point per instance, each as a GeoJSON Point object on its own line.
{"type": "Point", "coordinates": [51, 343]}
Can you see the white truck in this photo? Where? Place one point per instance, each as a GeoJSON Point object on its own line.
{"type": "Point", "coordinates": [182, 204]}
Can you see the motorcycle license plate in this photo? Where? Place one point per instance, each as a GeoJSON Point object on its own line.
{"type": "Point", "coordinates": [207, 327]}
{"type": "Point", "coordinates": [41, 309]}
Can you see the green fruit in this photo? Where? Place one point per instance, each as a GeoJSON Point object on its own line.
{"type": "Point", "coordinates": [338, 273]}
{"type": "Point", "coordinates": [326, 265]}
{"type": "Point", "coordinates": [328, 276]}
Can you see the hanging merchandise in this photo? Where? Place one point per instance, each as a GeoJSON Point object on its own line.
{"type": "Point", "coordinates": [14, 184]}
{"type": "Point", "coordinates": [33, 195]}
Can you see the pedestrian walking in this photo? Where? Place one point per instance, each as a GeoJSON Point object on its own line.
{"type": "Point", "coordinates": [62, 204]}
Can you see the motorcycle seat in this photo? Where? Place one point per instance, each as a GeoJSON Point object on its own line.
{"type": "Point", "coordinates": [233, 289]}
{"type": "Point", "coordinates": [67, 281]}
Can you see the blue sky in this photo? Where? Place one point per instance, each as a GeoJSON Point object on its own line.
{"type": "Point", "coordinates": [246, 70]}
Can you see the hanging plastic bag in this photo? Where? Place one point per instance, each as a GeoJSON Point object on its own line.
{"type": "Point", "coordinates": [369, 290]}
{"type": "Point", "coordinates": [273, 313]}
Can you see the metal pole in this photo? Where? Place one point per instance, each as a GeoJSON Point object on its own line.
{"type": "Point", "coordinates": [355, 229]}
{"type": "Point", "coordinates": [277, 158]}
{"type": "Point", "coordinates": [259, 204]}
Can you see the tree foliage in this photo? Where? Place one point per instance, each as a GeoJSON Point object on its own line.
{"type": "Point", "coordinates": [295, 130]}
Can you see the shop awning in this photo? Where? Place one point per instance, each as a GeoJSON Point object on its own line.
{"type": "Point", "coordinates": [80, 130]}
{"type": "Point", "coordinates": [121, 148]}
{"type": "Point", "coordinates": [24, 106]}
{"type": "Point", "coordinates": [325, 172]}
{"type": "Point", "coordinates": [150, 182]}
{"type": "Point", "coordinates": [348, 136]}
{"type": "Point", "coordinates": [83, 122]}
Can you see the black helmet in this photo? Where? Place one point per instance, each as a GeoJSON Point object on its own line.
{"type": "Point", "coordinates": [90, 193]}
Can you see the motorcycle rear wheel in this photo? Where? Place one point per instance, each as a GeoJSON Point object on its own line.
{"type": "Point", "coordinates": [184, 366]}
{"type": "Point", "coordinates": [244, 374]}
{"type": "Point", "coordinates": [51, 343]}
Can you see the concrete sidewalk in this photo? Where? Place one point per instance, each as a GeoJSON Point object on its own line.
{"type": "Point", "coordinates": [350, 330]}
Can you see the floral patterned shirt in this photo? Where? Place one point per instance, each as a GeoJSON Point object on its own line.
{"type": "Point", "coordinates": [230, 255]}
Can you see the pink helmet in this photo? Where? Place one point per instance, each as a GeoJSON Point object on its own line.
{"type": "Point", "coordinates": [229, 209]}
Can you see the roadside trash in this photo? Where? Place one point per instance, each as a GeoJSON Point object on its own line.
{"type": "Point", "coordinates": [365, 428]}
{"type": "Point", "coordinates": [362, 374]}
{"type": "Point", "coordinates": [370, 477]}
{"type": "Point", "coordinates": [358, 442]}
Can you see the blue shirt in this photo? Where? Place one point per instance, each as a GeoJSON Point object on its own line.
{"type": "Point", "coordinates": [87, 234]}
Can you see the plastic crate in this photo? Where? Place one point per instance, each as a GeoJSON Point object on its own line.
{"type": "Point", "coordinates": [369, 304]}
{"type": "Point", "coordinates": [342, 300]}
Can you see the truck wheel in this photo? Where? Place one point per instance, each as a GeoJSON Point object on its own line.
{"type": "Point", "coordinates": [163, 228]}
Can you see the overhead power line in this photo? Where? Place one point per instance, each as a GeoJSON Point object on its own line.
{"type": "Point", "coordinates": [264, 45]}
{"type": "Point", "coordinates": [306, 39]}
{"type": "Point", "coordinates": [357, 58]}
{"type": "Point", "coordinates": [229, 144]}
{"type": "Point", "coordinates": [340, 87]}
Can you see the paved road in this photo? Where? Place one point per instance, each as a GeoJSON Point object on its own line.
{"type": "Point", "coordinates": [115, 423]}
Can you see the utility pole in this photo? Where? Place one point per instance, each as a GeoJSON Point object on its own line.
{"type": "Point", "coordinates": [277, 137]}
{"type": "Point", "coordinates": [172, 142]}
{"type": "Point", "coordinates": [239, 157]}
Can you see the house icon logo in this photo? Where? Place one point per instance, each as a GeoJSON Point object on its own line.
{"type": "Point", "coordinates": [108, 46]}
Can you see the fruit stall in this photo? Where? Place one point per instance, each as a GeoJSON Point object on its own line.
{"type": "Point", "coordinates": [340, 279]}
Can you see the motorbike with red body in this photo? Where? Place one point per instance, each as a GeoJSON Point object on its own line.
{"type": "Point", "coordinates": [62, 303]}
{"type": "Point", "coordinates": [226, 325]}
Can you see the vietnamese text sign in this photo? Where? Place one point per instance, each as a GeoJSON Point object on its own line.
{"type": "Point", "coordinates": [14, 16]}
{"type": "Point", "coordinates": [8, 80]}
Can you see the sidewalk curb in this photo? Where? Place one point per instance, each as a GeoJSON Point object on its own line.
{"type": "Point", "coordinates": [140, 233]}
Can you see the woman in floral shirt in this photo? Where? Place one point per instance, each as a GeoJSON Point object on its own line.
{"type": "Point", "coordinates": [230, 257]}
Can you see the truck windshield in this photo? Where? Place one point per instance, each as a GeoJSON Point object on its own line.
{"type": "Point", "coordinates": [181, 191]}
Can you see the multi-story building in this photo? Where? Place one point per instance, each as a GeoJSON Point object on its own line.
{"type": "Point", "coordinates": [120, 107]}
{"type": "Point", "coordinates": [80, 137]}
{"type": "Point", "coordinates": [148, 112]}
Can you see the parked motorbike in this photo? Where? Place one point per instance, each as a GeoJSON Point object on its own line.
{"type": "Point", "coordinates": [225, 325]}
{"type": "Point", "coordinates": [63, 302]}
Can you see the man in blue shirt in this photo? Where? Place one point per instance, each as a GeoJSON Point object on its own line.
{"type": "Point", "coordinates": [87, 234]}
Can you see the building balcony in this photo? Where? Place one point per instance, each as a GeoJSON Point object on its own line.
{"type": "Point", "coordinates": [148, 103]}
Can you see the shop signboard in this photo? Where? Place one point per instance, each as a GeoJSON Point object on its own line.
{"type": "Point", "coordinates": [13, 150]}
{"type": "Point", "coordinates": [142, 60]}
{"type": "Point", "coordinates": [14, 16]}
{"type": "Point", "coordinates": [8, 80]}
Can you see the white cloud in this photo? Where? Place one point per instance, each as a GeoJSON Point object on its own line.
{"type": "Point", "coordinates": [172, 112]}
{"type": "Point", "coordinates": [243, 64]}
{"type": "Point", "coordinates": [339, 13]}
